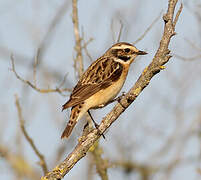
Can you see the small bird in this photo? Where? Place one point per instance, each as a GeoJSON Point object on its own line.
{"type": "Point", "coordinates": [101, 82]}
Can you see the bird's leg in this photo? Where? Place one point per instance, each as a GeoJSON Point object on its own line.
{"type": "Point", "coordinates": [119, 99]}
{"type": "Point", "coordinates": [95, 124]}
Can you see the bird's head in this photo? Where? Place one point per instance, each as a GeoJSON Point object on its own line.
{"type": "Point", "coordinates": [124, 52]}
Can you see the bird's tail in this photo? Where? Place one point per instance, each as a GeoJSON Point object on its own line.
{"type": "Point", "coordinates": [67, 131]}
{"type": "Point", "coordinates": [76, 114]}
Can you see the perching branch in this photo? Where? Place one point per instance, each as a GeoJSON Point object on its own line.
{"type": "Point", "coordinates": [30, 141]}
{"type": "Point", "coordinates": [161, 57]}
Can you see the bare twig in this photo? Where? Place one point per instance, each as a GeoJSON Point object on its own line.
{"type": "Point", "coordinates": [96, 152]}
{"type": "Point", "coordinates": [35, 87]}
{"type": "Point", "coordinates": [177, 15]}
{"type": "Point", "coordinates": [188, 58]}
{"type": "Point", "coordinates": [101, 164]}
{"type": "Point", "coordinates": [63, 81]}
{"type": "Point", "coordinates": [18, 163]}
{"type": "Point", "coordinates": [120, 31]}
{"type": "Point", "coordinates": [86, 50]}
{"type": "Point", "coordinates": [161, 57]}
{"type": "Point", "coordinates": [90, 172]}
{"type": "Point", "coordinates": [112, 30]}
{"type": "Point", "coordinates": [145, 170]}
{"type": "Point", "coordinates": [45, 42]}
{"type": "Point", "coordinates": [148, 29]}
{"type": "Point", "coordinates": [30, 141]}
{"type": "Point", "coordinates": [193, 44]}
{"type": "Point", "coordinates": [78, 46]}
{"type": "Point", "coordinates": [34, 66]}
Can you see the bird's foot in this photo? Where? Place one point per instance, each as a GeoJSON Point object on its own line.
{"type": "Point", "coordinates": [120, 97]}
{"type": "Point", "coordinates": [97, 127]}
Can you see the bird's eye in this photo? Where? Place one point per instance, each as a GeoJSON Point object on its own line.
{"type": "Point", "coordinates": [127, 50]}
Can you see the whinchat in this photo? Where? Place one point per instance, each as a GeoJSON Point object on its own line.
{"type": "Point", "coordinates": [101, 82]}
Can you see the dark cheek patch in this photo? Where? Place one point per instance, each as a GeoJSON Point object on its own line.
{"type": "Point", "coordinates": [124, 58]}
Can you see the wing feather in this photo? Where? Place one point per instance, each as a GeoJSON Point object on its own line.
{"type": "Point", "coordinates": [98, 76]}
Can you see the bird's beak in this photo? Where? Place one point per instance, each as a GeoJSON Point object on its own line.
{"type": "Point", "coordinates": [141, 53]}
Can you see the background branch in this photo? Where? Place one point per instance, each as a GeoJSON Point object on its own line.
{"type": "Point", "coordinates": [30, 141]}
{"type": "Point", "coordinates": [101, 164]}
{"type": "Point", "coordinates": [33, 86]}
{"type": "Point", "coordinates": [148, 29]}
{"type": "Point", "coordinates": [18, 163]}
{"type": "Point", "coordinates": [78, 46]}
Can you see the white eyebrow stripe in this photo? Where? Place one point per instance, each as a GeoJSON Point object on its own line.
{"type": "Point", "coordinates": [121, 47]}
{"type": "Point", "coordinates": [124, 47]}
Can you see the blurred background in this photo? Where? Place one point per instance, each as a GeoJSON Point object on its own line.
{"type": "Point", "coordinates": [158, 137]}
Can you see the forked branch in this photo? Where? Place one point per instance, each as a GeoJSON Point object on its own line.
{"type": "Point", "coordinates": [33, 85]}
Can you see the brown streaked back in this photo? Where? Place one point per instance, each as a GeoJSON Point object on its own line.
{"type": "Point", "coordinates": [98, 76]}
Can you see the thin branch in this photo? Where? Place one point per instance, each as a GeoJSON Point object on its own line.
{"type": "Point", "coordinates": [51, 28]}
{"type": "Point", "coordinates": [58, 90]}
{"type": "Point", "coordinates": [30, 141]}
{"type": "Point", "coordinates": [101, 164]}
{"type": "Point", "coordinates": [161, 57]}
{"type": "Point", "coordinates": [34, 66]}
{"type": "Point", "coordinates": [148, 29]}
{"type": "Point", "coordinates": [96, 151]}
{"type": "Point", "coordinates": [112, 30]}
{"type": "Point", "coordinates": [63, 81]}
{"type": "Point", "coordinates": [120, 31]}
{"type": "Point", "coordinates": [188, 58]}
{"type": "Point", "coordinates": [177, 15]}
{"type": "Point", "coordinates": [193, 44]}
{"type": "Point", "coordinates": [90, 172]}
{"type": "Point", "coordinates": [86, 50]}
{"type": "Point", "coordinates": [147, 170]}
{"type": "Point", "coordinates": [78, 46]}
{"type": "Point", "coordinates": [21, 166]}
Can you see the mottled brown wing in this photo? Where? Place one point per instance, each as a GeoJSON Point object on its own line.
{"type": "Point", "coordinates": [92, 81]}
